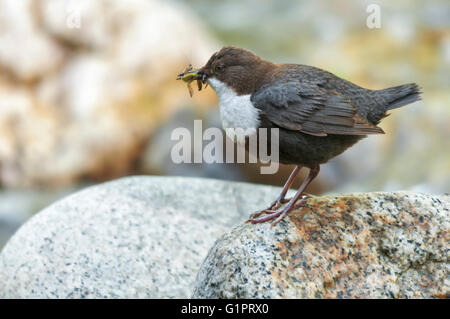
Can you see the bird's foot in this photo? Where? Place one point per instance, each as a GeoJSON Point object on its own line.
{"type": "Point", "coordinates": [275, 205]}
{"type": "Point", "coordinates": [279, 214]}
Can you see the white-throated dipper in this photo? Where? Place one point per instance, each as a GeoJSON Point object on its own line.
{"type": "Point", "coordinates": [318, 114]}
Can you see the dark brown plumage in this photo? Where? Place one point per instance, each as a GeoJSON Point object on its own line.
{"type": "Point", "coordinates": [319, 115]}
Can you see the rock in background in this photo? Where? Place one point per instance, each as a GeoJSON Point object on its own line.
{"type": "Point", "coordinates": [373, 245]}
{"type": "Point", "coordinates": [84, 83]}
{"type": "Point", "coordinates": [138, 237]}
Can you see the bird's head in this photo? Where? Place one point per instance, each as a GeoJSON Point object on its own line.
{"type": "Point", "coordinates": [237, 68]}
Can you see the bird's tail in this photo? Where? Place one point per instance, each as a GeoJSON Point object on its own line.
{"type": "Point", "coordinates": [399, 96]}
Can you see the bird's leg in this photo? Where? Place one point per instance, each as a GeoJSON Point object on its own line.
{"type": "Point", "coordinates": [280, 199]}
{"type": "Point", "coordinates": [281, 213]}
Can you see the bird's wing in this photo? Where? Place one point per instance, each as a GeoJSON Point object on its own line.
{"type": "Point", "coordinates": [307, 107]}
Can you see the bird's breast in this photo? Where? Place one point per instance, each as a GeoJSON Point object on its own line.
{"type": "Point", "coordinates": [236, 111]}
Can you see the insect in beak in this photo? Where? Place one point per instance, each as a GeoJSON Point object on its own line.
{"type": "Point", "coordinates": [189, 75]}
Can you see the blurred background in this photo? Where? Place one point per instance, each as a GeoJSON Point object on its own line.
{"type": "Point", "coordinates": [88, 90]}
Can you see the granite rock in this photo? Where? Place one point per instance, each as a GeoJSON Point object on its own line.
{"type": "Point", "coordinates": [18, 205]}
{"type": "Point", "coordinates": [137, 237]}
{"type": "Point", "coordinates": [373, 245]}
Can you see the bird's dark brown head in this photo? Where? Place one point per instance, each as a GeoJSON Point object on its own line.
{"type": "Point", "coordinates": [239, 69]}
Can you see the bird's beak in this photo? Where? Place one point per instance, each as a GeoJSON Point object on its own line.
{"type": "Point", "coordinates": [201, 75]}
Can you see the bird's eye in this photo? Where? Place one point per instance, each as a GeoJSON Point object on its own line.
{"type": "Point", "coordinates": [219, 68]}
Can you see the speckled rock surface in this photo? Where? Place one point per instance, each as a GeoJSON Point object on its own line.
{"type": "Point", "coordinates": [375, 245]}
{"type": "Point", "coordinates": [139, 237]}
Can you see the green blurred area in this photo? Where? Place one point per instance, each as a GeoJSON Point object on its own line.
{"type": "Point", "coordinates": [411, 42]}
{"type": "Point", "coordinates": [411, 45]}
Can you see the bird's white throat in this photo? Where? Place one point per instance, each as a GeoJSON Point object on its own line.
{"type": "Point", "coordinates": [236, 111]}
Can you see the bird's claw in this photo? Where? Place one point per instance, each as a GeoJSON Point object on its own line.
{"type": "Point", "coordinates": [274, 206]}
{"type": "Point", "coordinates": [275, 212]}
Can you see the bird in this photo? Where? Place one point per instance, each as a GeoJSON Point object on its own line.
{"type": "Point", "coordinates": [318, 114]}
